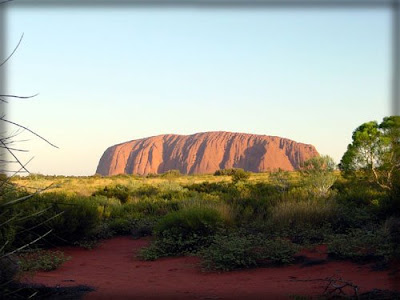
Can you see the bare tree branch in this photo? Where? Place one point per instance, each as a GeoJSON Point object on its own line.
{"type": "Point", "coordinates": [26, 245]}
{"type": "Point", "coordinates": [45, 221]}
{"type": "Point", "coordinates": [18, 97]}
{"type": "Point", "coordinates": [34, 133]}
{"type": "Point", "coordinates": [15, 157]}
{"type": "Point", "coordinates": [15, 49]}
{"type": "Point", "coordinates": [27, 197]}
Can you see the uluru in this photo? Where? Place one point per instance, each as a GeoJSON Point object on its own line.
{"type": "Point", "coordinates": [203, 153]}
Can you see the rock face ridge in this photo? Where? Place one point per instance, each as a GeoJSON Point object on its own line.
{"type": "Point", "coordinates": [204, 153]}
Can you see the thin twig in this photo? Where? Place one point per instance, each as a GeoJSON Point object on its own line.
{"type": "Point", "coordinates": [18, 97]}
{"type": "Point", "coordinates": [15, 157]}
{"type": "Point", "coordinates": [34, 133]}
{"type": "Point", "coordinates": [12, 149]}
{"type": "Point", "coordinates": [45, 221]}
{"type": "Point", "coordinates": [34, 214]}
{"type": "Point", "coordinates": [8, 221]}
{"type": "Point", "coordinates": [27, 197]}
{"type": "Point", "coordinates": [16, 47]}
{"type": "Point", "coordinates": [27, 245]}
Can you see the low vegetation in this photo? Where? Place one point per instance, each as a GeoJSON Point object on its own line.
{"type": "Point", "coordinates": [41, 260]}
{"type": "Point", "coordinates": [232, 219]}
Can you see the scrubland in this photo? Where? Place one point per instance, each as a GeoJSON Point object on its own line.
{"type": "Point", "coordinates": [231, 221]}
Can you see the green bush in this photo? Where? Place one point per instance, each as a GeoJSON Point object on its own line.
{"type": "Point", "coordinates": [237, 251]}
{"type": "Point", "coordinates": [210, 188]}
{"type": "Point", "coordinates": [136, 226]}
{"type": "Point", "coordinates": [224, 172]}
{"type": "Point", "coordinates": [279, 251]}
{"type": "Point", "coordinates": [213, 202]}
{"type": "Point", "coordinates": [184, 231]}
{"type": "Point", "coordinates": [359, 193]}
{"type": "Point", "coordinates": [229, 172]}
{"type": "Point", "coordinates": [41, 260]}
{"type": "Point", "coordinates": [308, 235]}
{"type": "Point", "coordinates": [144, 208]}
{"type": "Point", "coordinates": [240, 175]}
{"type": "Point", "coordinates": [70, 218]}
{"type": "Point", "coordinates": [171, 174]}
{"type": "Point", "coordinates": [143, 227]}
{"type": "Point", "coordinates": [120, 226]}
{"type": "Point", "coordinates": [118, 191]}
{"type": "Point", "coordinates": [230, 252]}
{"type": "Point", "coordinates": [249, 209]}
{"type": "Point", "coordinates": [280, 179]}
{"type": "Point", "coordinates": [361, 245]}
{"type": "Point", "coordinates": [303, 214]}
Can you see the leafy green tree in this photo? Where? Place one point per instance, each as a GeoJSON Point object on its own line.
{"type": "Point", "coordinates": [374, 153]}
{"type": "Point", "coordinates": [318, 173]}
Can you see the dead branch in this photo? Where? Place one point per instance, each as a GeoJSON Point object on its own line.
{"type": "Point", "coordinates": [15, 49]}
{"type": "Point", "coordinates": [335, 287]}
{"type": "Point", "coordinates": [27, 245]}
{"type": "Point", "coordinates": [34, 133]}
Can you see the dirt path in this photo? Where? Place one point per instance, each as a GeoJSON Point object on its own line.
{"type": "Point", "coordinates": [114, 271]}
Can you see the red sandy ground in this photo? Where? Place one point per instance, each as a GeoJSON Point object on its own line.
{"type": "Point", "coordinates": [115, 273]}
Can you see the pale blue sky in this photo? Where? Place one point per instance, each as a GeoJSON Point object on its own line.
{"type": "Point", "coordinates": [109, 76]}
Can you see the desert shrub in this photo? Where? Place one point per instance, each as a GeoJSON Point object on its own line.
{"type": "Point", "coordinates": [296, 194]}
{"type": "Point", "coordinates": [240, 175]}
{"type": "Point", "coordinates": [225, 172]}
{"type": "Point", "coordinates": [358, 193]}
{"type": "Point", "coordinates": [118, 191]}
{"type": "Point", "coordinates": [136, 226]}
{"type": "Point", "coordinates": [262, 190]}
{"type": "Point", "coordinates": [210, 188]}
{"type": "Point", "coordinates": [105, 205]}
{"type": "Point", "coordinates": [184, 231]}
{"type": "Point", "coordinates": [120, 226]}
{"type": "Point", "coordinates": [152, 175]}
{"type": "Point", "coordinates": [226, 212]}
{"type": "Point", "coordinates": [302, 214]}
{"type": "Point", "coordinates": [171, 174]}
{"type": "Point", "coordinates": [280, 179]}
{"type": "Point", "coordinates": [70, 217]}
{"type": "Point", "coordinates": [41, 260]}
{"type": "Point", "coordinates": [349, 217]}
{"type": "Point", "coordinates": [145, 207]}
{"type": "Point", "coordinates": [80, 217]}
{"type": "Point", "coordinates": [145, 191]}
{"type": "Point", "coordinates": [361, 245]}
{"type": "Point", "coordinates": [135, 192]}
{"type": "Point", "coordinates": [237, 174]}
{"type": "Point", "coordinates": [249, 209]}
{"type": "Point", "coordinates": [236, 250]}
{"type": "Point", "coordinates": [278, 250]}
{"type": "Point", "coordinates": [230, 252]}
{"type": "Point", "coordinates": [102, 231]}
{"type": "Point", "coordinates": [228, 172]}
{"type": "Point", "coordinates": [143, 227]}
{"type": "Point", "coordinates": [307, 236]}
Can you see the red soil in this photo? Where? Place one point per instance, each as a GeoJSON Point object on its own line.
{"type": "Point", "coordinates": [115, 273]}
